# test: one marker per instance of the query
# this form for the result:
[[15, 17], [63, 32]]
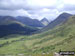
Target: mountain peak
[[45, 21], [66, 14]]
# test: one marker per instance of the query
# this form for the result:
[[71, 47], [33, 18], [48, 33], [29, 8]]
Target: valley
[[59, 34]]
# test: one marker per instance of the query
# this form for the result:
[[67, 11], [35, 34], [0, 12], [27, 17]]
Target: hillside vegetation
[[16, 28], [9, 25], [43, 44]]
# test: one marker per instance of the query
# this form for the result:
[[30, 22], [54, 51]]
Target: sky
[[36, 9]]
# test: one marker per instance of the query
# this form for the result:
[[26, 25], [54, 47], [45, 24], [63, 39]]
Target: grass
[[43, 44]]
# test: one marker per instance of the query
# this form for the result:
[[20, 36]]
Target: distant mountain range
[[45, 21], [24, 25], [24, 20]]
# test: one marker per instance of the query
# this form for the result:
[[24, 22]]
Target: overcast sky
[[36, 9]]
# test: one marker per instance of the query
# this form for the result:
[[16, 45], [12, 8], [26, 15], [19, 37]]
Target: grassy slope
[[62, 37]]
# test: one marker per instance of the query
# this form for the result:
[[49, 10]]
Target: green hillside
[[16, 28], [9, 25], [43, 44]]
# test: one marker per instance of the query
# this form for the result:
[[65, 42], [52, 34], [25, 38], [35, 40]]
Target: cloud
[[69, 7], [26, 4], [36, 8], [13, 4], [66, 5], [20, 12]]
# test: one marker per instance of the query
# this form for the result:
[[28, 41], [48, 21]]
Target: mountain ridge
[[30, 22], [22, 19], [58, 21]]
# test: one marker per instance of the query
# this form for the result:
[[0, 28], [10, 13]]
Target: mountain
[[58, 21], [45, 21], [15, 28], [30, 22], [24, 20], [4, 20], [9, 25], [61, 37], [42, 44]]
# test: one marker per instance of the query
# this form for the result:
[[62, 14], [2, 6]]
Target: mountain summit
[[45, 21]]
